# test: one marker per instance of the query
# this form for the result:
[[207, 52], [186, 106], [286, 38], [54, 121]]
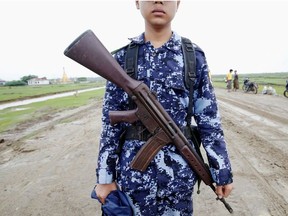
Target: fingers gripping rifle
[[88, 51]]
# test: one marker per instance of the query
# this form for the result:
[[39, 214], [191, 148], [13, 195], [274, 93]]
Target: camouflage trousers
[[165, 188]]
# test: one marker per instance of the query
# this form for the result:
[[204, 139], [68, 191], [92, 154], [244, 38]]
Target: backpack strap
[[131, 59], [190, 73], [190, 77], [131, 64], [189, 62]]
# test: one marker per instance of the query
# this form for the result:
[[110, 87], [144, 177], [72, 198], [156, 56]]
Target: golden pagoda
[[65, 78]]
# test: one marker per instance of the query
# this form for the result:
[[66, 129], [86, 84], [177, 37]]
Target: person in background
[[229, 77], [166, 186], [235, 81]]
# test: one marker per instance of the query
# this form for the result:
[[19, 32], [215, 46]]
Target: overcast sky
[[248, 35]]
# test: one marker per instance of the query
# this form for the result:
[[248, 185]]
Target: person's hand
[[102, 190], [224, 190]]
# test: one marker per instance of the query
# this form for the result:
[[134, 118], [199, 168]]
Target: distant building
[[2, 82], [39, 81]]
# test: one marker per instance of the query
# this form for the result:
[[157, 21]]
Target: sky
[[250, 36]]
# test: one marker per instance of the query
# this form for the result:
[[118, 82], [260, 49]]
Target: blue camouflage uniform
[[166, 187]]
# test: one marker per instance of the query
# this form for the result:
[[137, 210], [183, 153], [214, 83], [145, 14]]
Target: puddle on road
[[20, 109]]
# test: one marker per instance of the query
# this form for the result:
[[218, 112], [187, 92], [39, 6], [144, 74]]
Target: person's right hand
[[102, 190], [224, 191]]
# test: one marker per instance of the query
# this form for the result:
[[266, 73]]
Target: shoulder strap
[[131, 59], [130, 65], [190, 77], [190, 73], [189, 61]]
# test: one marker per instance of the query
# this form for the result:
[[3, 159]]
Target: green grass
[[276, 80], [11, 117], [24, 92]]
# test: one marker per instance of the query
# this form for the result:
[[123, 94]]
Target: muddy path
[[256, 132], [48, 167]]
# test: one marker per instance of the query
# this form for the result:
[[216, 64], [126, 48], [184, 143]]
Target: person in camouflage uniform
[[166, 187]]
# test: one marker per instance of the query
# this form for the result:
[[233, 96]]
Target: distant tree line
[[22, 82]]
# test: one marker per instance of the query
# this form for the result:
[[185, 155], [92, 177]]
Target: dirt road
[[47, 168]]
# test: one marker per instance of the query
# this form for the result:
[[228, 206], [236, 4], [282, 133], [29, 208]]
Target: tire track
[[281, 120], [257, 139], [49, 166], [272, 198]]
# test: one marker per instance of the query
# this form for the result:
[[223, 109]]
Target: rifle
[[88, 51]]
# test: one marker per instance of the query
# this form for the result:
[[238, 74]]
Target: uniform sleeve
[[208, 119], [114, 99]]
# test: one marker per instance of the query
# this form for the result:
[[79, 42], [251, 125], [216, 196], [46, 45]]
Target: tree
[[15, 83], [82, 79], [26, 78]]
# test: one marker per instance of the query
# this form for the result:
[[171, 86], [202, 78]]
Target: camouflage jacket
[[162, 69]]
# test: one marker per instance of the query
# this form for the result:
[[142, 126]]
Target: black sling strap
[[190, 77], [190, 73], [131, 59]]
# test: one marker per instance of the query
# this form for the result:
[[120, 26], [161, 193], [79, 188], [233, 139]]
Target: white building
[[2, 82], [39, 81]]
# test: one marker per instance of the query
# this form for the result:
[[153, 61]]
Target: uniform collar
[[173, 44]]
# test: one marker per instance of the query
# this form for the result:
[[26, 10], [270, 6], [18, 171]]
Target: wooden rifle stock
[[88, 51]]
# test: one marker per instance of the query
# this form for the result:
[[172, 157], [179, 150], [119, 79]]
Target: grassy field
[[11, 117], [276, 80], [25, 92]]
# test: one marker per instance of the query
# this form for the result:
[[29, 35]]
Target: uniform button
[[154, 54]]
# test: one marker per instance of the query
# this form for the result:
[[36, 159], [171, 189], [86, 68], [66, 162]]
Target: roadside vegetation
[[11, 117], [34, 112], [11, 93]]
